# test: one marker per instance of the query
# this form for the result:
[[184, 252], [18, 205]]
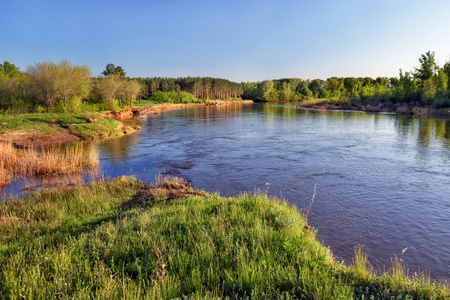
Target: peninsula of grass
[[41, 125], [127, 239]]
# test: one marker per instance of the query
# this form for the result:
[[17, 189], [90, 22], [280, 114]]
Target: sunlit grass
[[128, 239], [50, 123]]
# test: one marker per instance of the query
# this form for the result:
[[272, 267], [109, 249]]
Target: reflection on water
[[382, 180]]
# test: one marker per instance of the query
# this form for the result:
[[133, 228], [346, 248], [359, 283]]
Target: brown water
[[383, 181]]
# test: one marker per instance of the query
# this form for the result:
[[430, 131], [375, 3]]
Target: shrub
[[174, 97], [442, 102]]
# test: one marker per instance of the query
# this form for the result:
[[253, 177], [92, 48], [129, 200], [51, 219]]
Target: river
[[382, 180]]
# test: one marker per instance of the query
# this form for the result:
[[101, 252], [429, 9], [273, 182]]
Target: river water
[[382, 181]]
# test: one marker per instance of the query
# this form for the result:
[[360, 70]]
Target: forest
[[63, 87]]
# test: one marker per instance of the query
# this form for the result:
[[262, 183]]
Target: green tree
[[73, 81], [44, 79], [407, 89], [111, 69], [368, 81], [317, 86], [10, 79], [446, 69], [352, 85], [9, 69], [108, 89], [428, 66], [335, 86], [383, 81], [428, 90], [265, 88], [442, 83], [131, 89]]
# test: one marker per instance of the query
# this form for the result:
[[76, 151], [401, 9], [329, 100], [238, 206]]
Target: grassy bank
[[127, 239], [50, 129]]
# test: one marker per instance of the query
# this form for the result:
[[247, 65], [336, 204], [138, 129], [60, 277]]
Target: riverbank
[[159, 108], [401, 108], [45, 130], [128, 239]]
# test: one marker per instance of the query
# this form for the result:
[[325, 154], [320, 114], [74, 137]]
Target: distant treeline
[[200, 87], [48, 86], [424, 86]]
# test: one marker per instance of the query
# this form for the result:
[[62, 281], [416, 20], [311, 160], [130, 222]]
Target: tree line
[[62, 87], [429, 84], [200, 87]]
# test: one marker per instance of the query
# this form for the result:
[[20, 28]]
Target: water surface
[[382, 180]]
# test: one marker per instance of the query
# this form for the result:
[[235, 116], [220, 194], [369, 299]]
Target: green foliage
[[111, 69], [442, 102], [9, 69], [428, 90], [428, 66], [108, 90], [200, 87], [421, 87], [77, 123], [174, 97], [27, 92]]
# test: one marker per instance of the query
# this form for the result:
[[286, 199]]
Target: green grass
[[144, 103], [126, 239], [50, 123]]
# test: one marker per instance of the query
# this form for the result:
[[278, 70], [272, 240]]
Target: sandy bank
[[157, 109]]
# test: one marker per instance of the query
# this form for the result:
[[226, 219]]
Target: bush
[[160, 97], [174, 97], [442, 103]]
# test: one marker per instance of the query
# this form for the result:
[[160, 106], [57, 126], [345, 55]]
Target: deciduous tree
[[108, 89], [131, 89], [44, 79], [73, 81]]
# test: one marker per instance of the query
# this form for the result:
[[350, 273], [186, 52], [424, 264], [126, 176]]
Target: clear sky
[[236, 40]]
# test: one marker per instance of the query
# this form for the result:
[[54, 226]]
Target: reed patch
[[45, 162]]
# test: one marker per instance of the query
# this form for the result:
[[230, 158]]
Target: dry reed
[[5, 175], [44, 162], [55, 162], [8, 156], [8, 162]]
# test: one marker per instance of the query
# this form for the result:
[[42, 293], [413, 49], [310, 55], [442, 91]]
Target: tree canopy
[[111, 69]]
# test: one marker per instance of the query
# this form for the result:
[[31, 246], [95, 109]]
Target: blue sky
[[237, 40]]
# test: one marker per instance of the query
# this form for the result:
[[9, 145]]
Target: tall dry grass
[[44, 162], [54, 162], [8, 162]]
